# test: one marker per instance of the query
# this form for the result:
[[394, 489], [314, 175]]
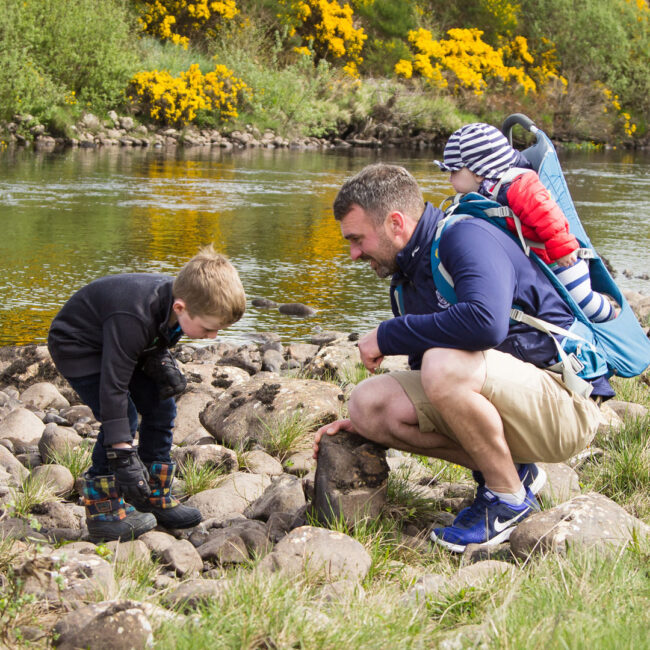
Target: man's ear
[[396, 223]]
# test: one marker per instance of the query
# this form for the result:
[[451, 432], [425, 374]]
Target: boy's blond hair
[[209, 285]]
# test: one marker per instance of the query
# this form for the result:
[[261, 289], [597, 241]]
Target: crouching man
[[477, 394]]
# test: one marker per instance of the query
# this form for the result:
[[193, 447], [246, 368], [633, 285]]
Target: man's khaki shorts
[[542, 419]]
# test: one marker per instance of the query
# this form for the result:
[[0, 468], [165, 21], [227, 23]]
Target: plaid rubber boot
[[167, 509], [107, 516]]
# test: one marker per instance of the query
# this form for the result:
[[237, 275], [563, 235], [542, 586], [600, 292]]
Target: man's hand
[[371, 355], [331, 429], [131, 476], [568, 260]]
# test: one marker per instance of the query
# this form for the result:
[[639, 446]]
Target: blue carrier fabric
[[616, 347]]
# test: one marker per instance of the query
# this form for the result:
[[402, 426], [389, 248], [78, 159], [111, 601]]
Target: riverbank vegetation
[[327, 68]]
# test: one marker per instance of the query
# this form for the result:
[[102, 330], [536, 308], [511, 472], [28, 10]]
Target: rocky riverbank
[[242, 442], [124, 131]]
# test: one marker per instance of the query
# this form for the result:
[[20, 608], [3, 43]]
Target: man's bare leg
[[452, 381], [381, 411]]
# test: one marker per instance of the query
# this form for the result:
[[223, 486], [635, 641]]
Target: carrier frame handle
[[517, 119]]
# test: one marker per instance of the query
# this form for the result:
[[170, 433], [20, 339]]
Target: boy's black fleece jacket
[[104, 328]]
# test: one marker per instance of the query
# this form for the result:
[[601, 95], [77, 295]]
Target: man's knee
[[363, 406], [447, 371]]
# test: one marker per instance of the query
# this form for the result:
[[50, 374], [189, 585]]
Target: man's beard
[[383, 270], [385, 262]]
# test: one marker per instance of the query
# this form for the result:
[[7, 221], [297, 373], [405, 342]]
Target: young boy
[[111, 342], [478, 155]]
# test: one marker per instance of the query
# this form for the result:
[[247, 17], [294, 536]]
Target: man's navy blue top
[[490, 274]]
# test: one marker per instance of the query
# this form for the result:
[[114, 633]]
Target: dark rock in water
[[296, 309], [263, 303]]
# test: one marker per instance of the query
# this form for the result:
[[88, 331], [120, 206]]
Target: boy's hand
[[568, 260], [161, 366], [131, 475]]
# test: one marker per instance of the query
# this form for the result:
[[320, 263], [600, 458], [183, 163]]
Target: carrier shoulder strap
[[569, 365]]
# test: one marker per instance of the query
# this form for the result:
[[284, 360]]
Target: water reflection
[[71, 217]]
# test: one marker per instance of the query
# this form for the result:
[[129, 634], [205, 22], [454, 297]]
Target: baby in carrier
[[480, 159]]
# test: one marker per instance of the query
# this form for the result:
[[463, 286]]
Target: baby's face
[[463, 180]]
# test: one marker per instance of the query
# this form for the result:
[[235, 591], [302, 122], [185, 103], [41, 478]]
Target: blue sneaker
[[488, 521], [533, 478]]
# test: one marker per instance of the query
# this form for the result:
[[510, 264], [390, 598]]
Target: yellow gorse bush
[[625, 119], [327, 29], [469, 62], [176, 100], [179, 20]]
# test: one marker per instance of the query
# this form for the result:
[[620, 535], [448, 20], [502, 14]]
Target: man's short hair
[[210, 286], [380, 189]]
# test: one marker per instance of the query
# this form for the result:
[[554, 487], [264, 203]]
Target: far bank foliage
[[314, 67]]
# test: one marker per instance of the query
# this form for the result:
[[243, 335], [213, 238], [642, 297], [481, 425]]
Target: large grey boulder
[[157, 541], [227, 376], [627, 410], [67, 576], [189, 405], [182, 558], [224, 546], [243, 413], [318, 551], [563, 483], [236, 542], [58, 477], [301, 352], [194, 593], [334, 360], [589, 520], [259, 462], [233, 496], [42, 395], [56, 440], [216, 456], [22, 427], [109, 625], [351, 478], [12, 466], [285, 494], [472, 576]]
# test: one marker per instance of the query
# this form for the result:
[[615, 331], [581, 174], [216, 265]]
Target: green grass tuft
[[197, 478]]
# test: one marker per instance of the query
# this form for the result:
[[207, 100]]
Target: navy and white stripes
[[480, 147], [576, 280]]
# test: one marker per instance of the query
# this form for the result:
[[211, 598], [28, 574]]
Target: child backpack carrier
[[587, 349]]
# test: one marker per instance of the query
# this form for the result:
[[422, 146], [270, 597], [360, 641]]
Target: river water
[[72, 216]]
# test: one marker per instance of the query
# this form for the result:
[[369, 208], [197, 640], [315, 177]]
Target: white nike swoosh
[[501, 526]]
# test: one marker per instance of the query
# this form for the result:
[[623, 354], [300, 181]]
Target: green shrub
[[290, 94], [54, 51], [605, 41]]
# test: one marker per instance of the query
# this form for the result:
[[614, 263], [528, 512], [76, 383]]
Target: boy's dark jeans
[[155, 439]]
